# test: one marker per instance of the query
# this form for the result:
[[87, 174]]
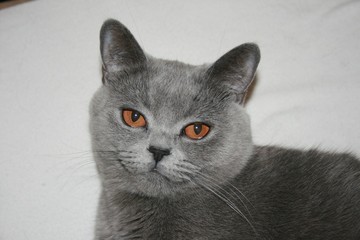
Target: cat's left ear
[[236, 69], [120, 51]]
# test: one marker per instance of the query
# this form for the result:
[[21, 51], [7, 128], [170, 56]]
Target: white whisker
[[221, 193], [231, 185]]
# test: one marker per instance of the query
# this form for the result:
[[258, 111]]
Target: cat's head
[[161, 127]]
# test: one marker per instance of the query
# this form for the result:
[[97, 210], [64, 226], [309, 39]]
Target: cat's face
[[161, 127]]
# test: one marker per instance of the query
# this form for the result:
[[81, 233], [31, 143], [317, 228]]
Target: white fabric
[[306, 93]]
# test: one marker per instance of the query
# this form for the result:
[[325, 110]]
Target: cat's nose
[[158, 153]]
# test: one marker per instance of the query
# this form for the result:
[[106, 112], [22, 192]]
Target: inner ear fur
[[119, 49], [236, 69]]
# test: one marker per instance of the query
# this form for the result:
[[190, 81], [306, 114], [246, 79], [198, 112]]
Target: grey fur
[[219, 187]]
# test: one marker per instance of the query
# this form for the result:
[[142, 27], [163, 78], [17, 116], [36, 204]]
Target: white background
[[306, 93]]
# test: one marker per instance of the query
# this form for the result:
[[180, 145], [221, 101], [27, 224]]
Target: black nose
[[158, 153]]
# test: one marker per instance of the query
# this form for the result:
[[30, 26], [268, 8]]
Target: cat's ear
[[236, 69], [119, 49]]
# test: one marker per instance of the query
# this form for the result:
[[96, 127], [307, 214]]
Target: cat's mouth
[[156, 172], [168, 177]]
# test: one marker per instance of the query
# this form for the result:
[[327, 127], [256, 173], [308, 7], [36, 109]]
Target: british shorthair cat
[[174, 152]]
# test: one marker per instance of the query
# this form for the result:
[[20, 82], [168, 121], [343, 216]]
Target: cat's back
[[313, 164], [304, 194]]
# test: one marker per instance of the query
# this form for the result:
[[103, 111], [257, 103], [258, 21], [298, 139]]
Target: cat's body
[[182, 165], [289, 195]]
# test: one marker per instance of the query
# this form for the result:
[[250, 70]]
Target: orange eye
[[133, 118], [196, 131]]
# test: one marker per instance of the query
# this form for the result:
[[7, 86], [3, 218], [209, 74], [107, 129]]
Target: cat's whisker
[[224, 192], [238, 197], [71, 166], [105, 151], [242, 194], [125, 151], [184, 175], [69, 161], [225, 199], [198, 191], [186, 170], [220, 189], [122, 156], [73, 170], [232, 190], [188, 166], [179, 175], [188, 173], [87, 179], [68, 154], [191, 163], [236, 209], [111, 158], [217, 187]]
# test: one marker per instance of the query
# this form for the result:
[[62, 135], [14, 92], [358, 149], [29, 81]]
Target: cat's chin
[[156, 184]]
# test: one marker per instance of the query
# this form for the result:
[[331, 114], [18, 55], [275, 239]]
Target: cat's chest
[[162, 220]]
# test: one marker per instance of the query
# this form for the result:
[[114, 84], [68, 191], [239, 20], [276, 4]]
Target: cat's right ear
[[120, 52], [236, 69]]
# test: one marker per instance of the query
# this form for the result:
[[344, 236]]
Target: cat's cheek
[[139, 148], [131, 138], [200, 151]]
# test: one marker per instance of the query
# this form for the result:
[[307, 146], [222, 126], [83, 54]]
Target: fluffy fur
[[219, 187]]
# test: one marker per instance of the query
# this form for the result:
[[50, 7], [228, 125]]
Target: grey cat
[[174, 152]]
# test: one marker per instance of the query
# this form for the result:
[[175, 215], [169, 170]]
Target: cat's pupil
[[135, 116], [197, 128]]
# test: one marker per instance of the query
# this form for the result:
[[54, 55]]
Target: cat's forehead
[[171, 91], [177, 90], [171, 81]]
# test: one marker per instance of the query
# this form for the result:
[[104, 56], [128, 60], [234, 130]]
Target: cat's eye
[[133, 118], [196, 131]]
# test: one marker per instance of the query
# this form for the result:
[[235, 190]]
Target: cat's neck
[[128, 198], [171, 214], [129, 210]]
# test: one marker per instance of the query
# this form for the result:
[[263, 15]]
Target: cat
[[173, 148]]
